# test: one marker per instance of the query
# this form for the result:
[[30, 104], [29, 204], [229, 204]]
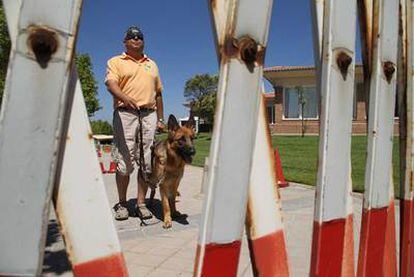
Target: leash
[[142, 166], [149, 222]]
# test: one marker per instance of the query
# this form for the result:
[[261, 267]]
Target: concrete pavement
[[153, 251]]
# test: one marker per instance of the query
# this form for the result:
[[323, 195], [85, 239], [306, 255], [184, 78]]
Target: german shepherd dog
[[169, 158]]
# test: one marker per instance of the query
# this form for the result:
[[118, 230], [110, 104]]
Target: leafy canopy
[[101, 127], [201, 92], [88, 83]]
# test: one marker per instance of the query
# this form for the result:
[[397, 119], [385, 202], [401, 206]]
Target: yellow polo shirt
[[138, 79]]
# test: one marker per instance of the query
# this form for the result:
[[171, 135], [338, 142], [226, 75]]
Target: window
[[297, 97], [270, 109], [358, 96]]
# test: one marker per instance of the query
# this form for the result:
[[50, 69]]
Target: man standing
[[134, 82]]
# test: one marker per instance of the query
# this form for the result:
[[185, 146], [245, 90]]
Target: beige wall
[[306, 77]]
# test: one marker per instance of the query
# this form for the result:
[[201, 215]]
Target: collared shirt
[[138, 79]]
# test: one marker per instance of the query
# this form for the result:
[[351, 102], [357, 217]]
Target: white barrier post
[[81, 200], [264, 227], [332, 245], [406, 87], [81, 203], [377, 251], [241, 44], [42, 49]]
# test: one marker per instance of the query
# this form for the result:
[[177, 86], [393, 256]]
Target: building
[[183, 120], [103, 139], [284, 106]]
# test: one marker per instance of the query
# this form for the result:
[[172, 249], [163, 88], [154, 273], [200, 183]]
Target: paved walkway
[[153, 251]]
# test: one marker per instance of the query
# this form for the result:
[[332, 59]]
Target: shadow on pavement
[[156, 209], [53, 234], [55, 260]]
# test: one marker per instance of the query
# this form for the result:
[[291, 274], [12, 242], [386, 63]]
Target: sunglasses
[[135, 38]]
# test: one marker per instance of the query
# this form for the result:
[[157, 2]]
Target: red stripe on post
[[407, 238], [333, 248], [268, 255], [113, 265], [219, 259], [377, 251]]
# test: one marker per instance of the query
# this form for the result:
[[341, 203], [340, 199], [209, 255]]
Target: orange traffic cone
[[112, 167], [281, 182], [102, 167], [107, 148]]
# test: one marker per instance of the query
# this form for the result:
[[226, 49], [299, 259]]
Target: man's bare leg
[[122, 182], [142, 190], [144, 213], [121, 211]]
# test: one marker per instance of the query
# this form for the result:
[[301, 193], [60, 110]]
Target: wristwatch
[[161, 120]]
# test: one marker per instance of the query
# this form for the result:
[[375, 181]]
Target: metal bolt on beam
[[43, 42], [343, 60], [246, 49], [389, 69]]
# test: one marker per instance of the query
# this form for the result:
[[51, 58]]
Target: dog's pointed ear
[[173, 123], [191, 123]]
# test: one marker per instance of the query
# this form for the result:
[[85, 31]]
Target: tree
[[205, 107], [83, 65], [201, 91], [88, 83], [101, 127], [301, 103]]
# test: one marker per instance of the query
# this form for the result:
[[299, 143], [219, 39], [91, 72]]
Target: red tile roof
[[280, 68]]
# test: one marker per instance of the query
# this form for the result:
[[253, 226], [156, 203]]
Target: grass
[[202, 146], [299, 158]]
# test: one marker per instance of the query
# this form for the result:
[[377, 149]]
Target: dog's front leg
[[174, 212], [173, 195], [166, 208]]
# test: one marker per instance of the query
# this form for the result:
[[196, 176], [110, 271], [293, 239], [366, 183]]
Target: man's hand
[[161, 126], [129, 102], [116, 91]]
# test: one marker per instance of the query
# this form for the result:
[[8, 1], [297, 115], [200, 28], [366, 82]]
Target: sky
[[179, 37]]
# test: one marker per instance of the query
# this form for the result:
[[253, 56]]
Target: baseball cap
[[134, 32]]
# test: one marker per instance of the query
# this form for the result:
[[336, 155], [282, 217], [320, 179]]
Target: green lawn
[[202, 146], [299, 158]]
